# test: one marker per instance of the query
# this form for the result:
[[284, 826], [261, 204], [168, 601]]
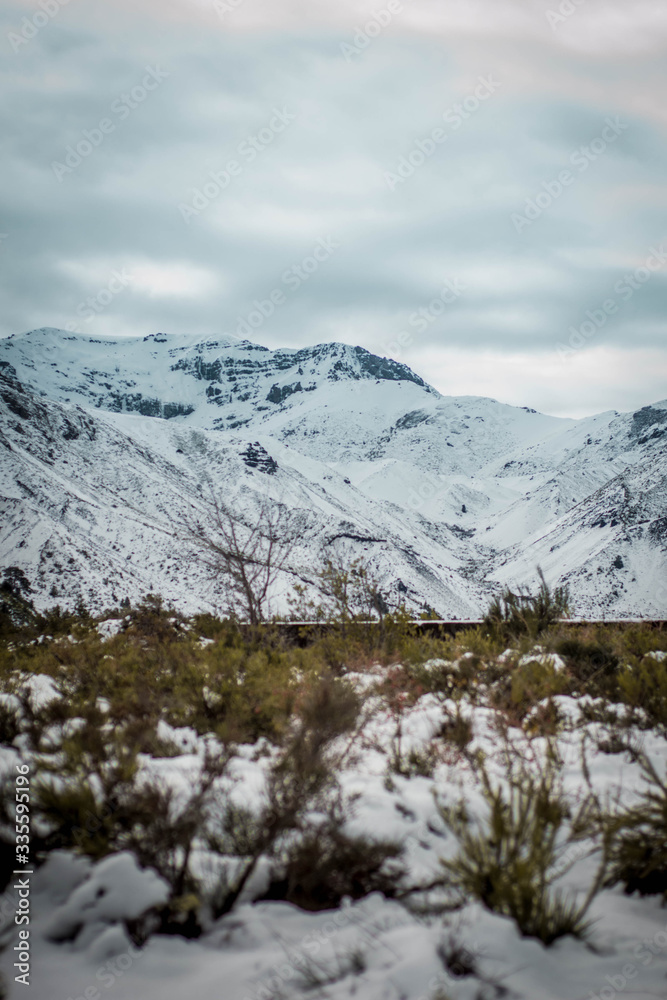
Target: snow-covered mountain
[[111, 446]]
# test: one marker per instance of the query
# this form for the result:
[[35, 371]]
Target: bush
[[357, 621], [17, 611], [150, 620], [534, 681], [299, 780], [637, 640], [73, 818], [97, 807], [523, 687], [327, 864], [456, 729], [157, 669], [638, 856], [512, 615], [9, 724], [511, 860], [92, 795], [592, 664], [644, 686]]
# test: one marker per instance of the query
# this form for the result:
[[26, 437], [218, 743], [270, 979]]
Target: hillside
[[111, 446]]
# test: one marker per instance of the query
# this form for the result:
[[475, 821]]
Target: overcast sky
[[518, 251]]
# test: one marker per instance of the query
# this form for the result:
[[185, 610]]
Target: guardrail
[[304, 631]]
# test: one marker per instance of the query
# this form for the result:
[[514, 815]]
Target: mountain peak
[[175, 375], [441, 494]]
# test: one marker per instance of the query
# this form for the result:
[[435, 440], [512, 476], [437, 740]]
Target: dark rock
[[411, 419], [257, 457], [647, 417], [279, 393], [16, 405], [71, 433], [148, 407]]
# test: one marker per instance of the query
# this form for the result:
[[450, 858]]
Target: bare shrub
[[244, 554]]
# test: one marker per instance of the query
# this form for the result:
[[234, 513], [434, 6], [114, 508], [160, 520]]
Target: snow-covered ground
[[374, 948]]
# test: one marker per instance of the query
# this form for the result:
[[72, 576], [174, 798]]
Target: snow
[[374, 948], [41, 691], [110, 627], [552, 660], [448, 498], [115, 889]]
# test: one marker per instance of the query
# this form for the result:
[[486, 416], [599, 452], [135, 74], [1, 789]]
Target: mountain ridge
[[446, 497]]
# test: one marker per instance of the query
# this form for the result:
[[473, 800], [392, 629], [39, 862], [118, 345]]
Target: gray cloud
[[324, 174]]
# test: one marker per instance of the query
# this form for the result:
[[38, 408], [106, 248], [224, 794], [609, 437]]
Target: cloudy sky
[[476, 188]]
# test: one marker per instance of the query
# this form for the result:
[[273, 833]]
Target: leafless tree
[[245, 553]]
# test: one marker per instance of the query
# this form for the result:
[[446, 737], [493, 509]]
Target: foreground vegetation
[[88, 701]]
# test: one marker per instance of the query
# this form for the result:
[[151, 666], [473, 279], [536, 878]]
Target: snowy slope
[[268, 950], [110, 446]]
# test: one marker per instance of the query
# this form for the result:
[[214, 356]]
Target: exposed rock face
[[136, 403], [278, 393], [256, 457]]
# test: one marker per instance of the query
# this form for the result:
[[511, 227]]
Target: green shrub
[[251, 683], [73, 818], [533, 681], [593, 666], [96, 807], [510, 861], [637, 640], [511, 615], [481, 640], [159, 670], [644, 686], [358, 622], [521, 688], [9, 724], [327, 864], [456, 729], [302, 776], [638, 856]]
